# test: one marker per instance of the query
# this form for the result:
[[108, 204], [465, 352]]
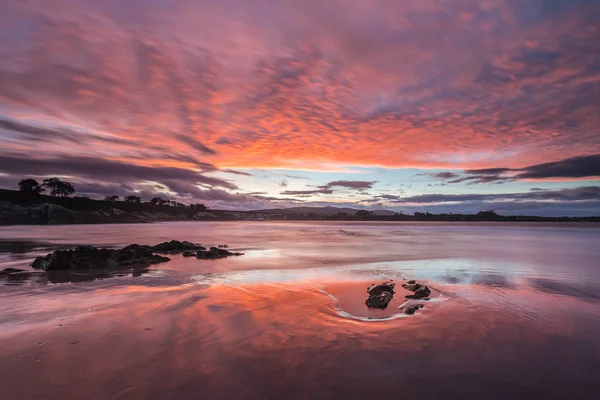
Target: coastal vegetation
[[52, 202]]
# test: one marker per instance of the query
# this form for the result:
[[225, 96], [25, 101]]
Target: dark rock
[[134, 254], [40, 262], [412, 282], [223, 246], [88, 257], [410, 309], [376, 289], [10, 271], [412, 287], [420, 293], [189, 253], [58, 260], [380, 300], [175, 246], [214, 253]]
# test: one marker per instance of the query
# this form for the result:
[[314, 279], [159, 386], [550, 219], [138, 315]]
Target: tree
[[158, 200], [362, 213], [30, 186], [198, 207], [58, 187], [133, 199], [111, 198]]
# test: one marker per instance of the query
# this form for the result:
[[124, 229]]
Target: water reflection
[[277, 340], [44, 277], [520, 315]]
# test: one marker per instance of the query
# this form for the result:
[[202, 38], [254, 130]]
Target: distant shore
[[18, 209]]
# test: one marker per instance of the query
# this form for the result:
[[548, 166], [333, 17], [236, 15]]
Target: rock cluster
[[420, 291], [380, 295], [175, 246], [88, 257], [215, 252]]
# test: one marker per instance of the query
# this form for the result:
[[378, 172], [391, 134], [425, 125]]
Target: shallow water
[[516, 314]]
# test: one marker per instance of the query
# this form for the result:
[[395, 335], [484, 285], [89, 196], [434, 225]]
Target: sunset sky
[[428, 105]]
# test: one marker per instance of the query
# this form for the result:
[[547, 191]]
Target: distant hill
[[323, 211]]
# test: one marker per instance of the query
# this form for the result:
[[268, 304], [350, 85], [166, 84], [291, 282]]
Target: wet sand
[[193, 329]]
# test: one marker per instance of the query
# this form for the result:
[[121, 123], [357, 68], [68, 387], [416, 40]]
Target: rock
[[189, 253], [40, 262], [380, 300], [214, 253], [411, 308], [420, 293], [412, 282], [88, 257], [135, 254], [412, 287], [175, 246], [223, 246], [10, 271], [58, 260], [376, 289]]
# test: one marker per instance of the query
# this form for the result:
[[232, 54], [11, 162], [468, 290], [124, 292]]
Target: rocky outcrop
[[175, 247], [376, 289], [134, 255], [380, 295], [88, 257], [215, 253], [380, 300], [420, 291]]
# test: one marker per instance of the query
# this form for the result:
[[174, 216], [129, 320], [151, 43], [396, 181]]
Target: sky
[[430, 105]]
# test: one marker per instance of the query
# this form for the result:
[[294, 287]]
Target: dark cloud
[[445, 175], [235, 172], [354, 185], [306, 192], [574, 167], [586, 193], [106, 170], [329, 188]]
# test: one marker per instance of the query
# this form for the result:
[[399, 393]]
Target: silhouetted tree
[[362, 213], [58, 187], [111, 198], [198, 207], [30, 186], [133, 199], [158, 200], [487, 214]]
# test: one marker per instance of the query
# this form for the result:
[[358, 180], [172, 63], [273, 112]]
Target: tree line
[[56, 187], [59, 188]]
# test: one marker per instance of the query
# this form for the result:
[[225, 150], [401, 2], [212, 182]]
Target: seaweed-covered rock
[[214, 253], [189, 253], [376, 289], [380, 300]]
